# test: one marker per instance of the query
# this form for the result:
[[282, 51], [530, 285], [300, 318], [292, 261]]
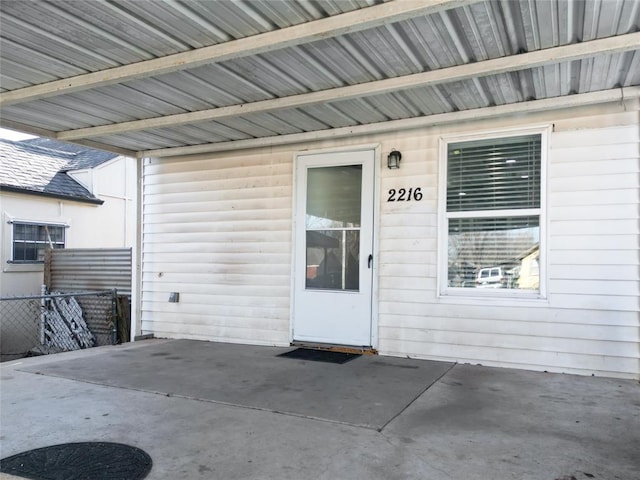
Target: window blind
[[496, 174]]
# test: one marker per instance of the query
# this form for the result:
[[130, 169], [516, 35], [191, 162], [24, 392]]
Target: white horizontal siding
[[616, 197], [602, 272], [601, 226], [618, 325], [539, 325], [534, 359], [551, 344], [594, 257], [589, 322], [625, 132], [595, 242], [218, 231], [230, 334]]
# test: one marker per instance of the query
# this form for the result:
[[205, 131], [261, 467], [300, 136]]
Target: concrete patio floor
[[206, 410]]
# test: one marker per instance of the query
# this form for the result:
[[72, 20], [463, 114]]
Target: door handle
[[370, 261]]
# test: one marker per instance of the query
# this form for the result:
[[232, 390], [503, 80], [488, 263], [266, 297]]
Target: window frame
[[444, 291], [13, 223]]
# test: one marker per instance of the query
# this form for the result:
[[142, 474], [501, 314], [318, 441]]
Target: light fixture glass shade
[[393, 160]]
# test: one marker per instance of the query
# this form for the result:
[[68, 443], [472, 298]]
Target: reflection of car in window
[[492, 277]]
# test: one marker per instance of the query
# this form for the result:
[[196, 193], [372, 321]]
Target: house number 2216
[[404, 195]]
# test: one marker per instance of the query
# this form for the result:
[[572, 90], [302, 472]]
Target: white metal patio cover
[[173, 77]]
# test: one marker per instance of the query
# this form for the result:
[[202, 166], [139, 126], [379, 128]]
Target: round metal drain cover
[[75, 461]]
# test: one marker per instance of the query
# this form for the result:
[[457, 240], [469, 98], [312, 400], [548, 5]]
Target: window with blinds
[[493, 198]]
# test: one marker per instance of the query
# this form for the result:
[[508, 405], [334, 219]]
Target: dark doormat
[[313, 355], [75, 461]]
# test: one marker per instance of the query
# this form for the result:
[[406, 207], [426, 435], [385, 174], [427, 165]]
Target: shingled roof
[[39, 166]]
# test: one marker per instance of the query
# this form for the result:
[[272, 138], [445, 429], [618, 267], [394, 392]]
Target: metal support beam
[[578, 100], [350, 22], [42, 132], [496, 66]]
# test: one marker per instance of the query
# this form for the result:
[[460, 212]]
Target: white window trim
[[501, 296]]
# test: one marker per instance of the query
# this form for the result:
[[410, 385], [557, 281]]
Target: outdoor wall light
[[393, 160], [174, 297]]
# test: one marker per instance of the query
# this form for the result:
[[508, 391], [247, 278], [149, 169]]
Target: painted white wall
[[111, 224], [217, 229]]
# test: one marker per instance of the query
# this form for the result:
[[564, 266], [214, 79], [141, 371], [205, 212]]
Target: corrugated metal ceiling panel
[[46, 40]]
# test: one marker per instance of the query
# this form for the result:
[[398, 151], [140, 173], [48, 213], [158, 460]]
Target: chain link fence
[[57, 322]]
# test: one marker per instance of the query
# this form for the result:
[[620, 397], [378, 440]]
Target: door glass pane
[[333, 259], [333, 227], [333, 197]]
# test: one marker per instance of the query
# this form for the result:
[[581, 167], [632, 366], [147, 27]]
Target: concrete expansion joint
[[267, 410], [208, 400], [416, 397]]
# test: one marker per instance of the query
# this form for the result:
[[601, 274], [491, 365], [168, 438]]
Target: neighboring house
[[56, 195], [528, 272]]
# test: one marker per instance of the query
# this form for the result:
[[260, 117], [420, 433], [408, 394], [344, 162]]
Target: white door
[[333, 251]]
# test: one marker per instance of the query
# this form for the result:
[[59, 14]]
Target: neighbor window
[[492, 212], [30, 240]]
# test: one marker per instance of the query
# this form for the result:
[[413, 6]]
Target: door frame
[[376, 148]]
